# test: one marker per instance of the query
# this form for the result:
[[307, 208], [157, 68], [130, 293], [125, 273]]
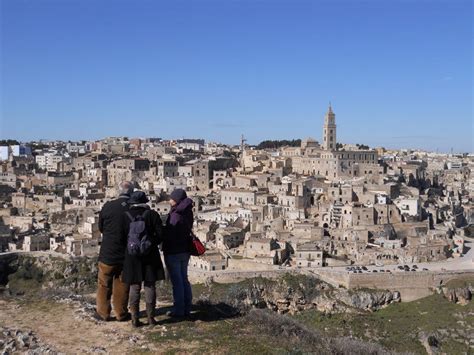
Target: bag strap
[[145, 214], [130, 216]]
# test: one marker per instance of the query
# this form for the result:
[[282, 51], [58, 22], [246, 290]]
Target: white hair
[[126, 188]]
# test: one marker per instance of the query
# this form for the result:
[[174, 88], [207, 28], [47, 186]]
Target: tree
[[362, 146], [9, 142], [274, 144]]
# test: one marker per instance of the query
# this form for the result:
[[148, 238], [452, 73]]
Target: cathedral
[[326, 160]]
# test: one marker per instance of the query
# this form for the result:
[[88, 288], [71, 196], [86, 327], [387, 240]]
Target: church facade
[[327, 161]]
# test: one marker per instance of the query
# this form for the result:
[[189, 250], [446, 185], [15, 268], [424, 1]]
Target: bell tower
[[329, 130]]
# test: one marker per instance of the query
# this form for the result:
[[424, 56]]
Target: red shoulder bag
[[197, 248]]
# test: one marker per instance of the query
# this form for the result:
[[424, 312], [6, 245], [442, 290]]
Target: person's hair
[[126, 188]]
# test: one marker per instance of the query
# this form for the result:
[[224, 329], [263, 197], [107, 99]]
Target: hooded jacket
[[179, 224]]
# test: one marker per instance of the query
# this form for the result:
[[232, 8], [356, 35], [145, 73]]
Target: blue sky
[[398, 72]]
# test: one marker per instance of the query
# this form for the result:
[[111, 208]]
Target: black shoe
[[136, 321], [174, 315], [99, 318], [126, 318]]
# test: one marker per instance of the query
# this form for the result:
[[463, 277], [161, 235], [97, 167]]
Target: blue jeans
[[177, 265]]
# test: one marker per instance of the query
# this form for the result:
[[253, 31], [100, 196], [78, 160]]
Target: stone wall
[[248, 265], [412, 286], [230, 277]]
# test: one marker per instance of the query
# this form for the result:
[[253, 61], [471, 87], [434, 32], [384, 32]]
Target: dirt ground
[[69, 328]]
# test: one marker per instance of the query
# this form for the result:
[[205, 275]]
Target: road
[[463, 263]]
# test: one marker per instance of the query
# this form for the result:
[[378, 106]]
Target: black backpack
[[138, 241]]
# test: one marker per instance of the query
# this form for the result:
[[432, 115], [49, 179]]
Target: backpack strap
[[130, 216], [145, 214]]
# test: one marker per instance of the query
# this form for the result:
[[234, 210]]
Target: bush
[[305, 339], [297, 333], [433, 341], [28, 271]]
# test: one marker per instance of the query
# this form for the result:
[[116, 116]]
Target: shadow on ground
[[202, 311]]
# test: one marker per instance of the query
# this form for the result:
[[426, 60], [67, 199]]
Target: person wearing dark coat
[[176, 249], [111, 258], [146, 269]]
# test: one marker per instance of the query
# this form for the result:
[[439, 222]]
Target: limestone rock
[[461, 295]]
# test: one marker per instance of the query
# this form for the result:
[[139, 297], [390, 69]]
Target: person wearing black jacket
[[177, 248], [111, 257], [148, 268]]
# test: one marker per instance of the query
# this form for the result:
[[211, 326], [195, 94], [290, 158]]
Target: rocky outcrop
[[293, 294], [27, 273], [369, 300], [461, 295]]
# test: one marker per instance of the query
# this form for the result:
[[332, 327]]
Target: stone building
[[167, 168], [49, 161], [210, 261], [308, 255], [8, 179], [237, 197], [36, 242], [229, 237], [329, 130], [200, 174]]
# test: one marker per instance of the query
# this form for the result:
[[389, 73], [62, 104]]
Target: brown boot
[[135, 317], [150, 313]]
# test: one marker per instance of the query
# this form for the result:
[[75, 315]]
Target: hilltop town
[[310, 206]]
